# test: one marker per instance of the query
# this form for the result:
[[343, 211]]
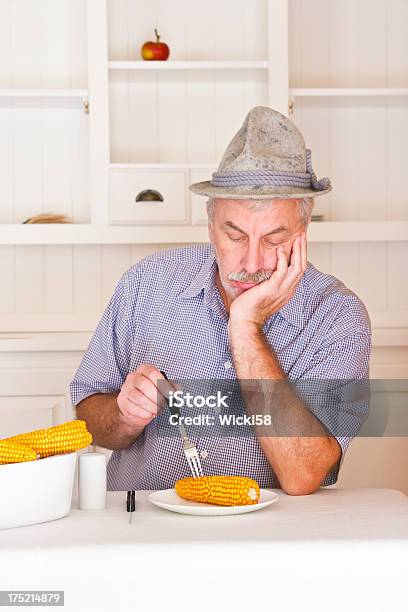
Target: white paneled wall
[[360, 144], [375, 271], [51, 288], [194, 30], [54, 288], [352, 43]]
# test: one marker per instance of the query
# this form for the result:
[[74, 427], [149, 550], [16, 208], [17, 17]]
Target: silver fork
[[190, 449], [191, 453]]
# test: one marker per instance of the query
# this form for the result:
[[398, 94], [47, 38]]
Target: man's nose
[[252, 260]]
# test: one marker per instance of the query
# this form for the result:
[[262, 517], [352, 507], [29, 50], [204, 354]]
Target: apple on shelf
[[155, 50]]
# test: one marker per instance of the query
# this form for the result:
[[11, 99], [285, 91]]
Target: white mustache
[[244, 277]]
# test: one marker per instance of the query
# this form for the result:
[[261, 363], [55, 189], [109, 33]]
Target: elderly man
[[248, 306]]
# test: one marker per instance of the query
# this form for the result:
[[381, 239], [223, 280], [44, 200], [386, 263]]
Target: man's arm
[[105, 421], [115, 420], [298, 448], [301, 460]]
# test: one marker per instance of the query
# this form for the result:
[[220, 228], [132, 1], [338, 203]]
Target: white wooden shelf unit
[[116, 177]]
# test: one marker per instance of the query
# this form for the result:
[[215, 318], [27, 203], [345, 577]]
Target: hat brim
[[255, 192]]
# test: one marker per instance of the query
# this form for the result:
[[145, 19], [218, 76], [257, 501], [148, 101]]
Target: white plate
[[170, 500]]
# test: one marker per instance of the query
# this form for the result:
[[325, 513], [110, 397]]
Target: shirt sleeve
[[336, 388], [105, 364]]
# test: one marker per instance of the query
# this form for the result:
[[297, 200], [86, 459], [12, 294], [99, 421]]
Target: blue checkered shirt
[[166, 311]]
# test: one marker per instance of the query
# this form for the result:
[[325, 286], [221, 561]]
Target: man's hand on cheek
[[257, 304]]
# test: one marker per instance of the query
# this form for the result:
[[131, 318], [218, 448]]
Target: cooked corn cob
[[12, 452], [219, 490], [65, 438]]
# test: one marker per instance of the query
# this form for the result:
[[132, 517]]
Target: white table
[[333, 550]]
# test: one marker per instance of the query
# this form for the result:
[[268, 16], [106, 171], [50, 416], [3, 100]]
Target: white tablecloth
[[333, 550]]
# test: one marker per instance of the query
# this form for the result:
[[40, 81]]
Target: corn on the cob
[[65, 438], [12, 452], [219, 490]]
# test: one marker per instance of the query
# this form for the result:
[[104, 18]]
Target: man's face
[[245, 241]]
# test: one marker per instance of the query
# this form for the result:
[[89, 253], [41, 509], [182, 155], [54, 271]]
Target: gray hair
[[305, 208]]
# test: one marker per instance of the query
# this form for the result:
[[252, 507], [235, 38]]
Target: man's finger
[[139, 399], [295, 267], [136, 412], [148, 388], [281, 266], [145, 378], [146, 369]]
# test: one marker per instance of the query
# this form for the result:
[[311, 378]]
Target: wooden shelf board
[[348, 91], [187, 65], [57, 234], [43, 93]]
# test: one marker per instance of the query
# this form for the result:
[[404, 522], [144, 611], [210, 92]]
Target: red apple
[[155, 50]]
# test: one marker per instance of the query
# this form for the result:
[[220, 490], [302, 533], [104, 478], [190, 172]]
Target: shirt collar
[[292, 311], [204, 279]]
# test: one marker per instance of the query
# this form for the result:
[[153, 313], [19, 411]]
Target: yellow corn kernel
[[12, 452], [65, 438], [219, 490]]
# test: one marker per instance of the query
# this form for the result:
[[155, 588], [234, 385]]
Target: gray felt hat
[[267, 158]]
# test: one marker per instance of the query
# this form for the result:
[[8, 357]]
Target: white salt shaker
[[92, 481]]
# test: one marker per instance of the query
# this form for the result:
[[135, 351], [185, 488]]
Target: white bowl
[[36, 491]]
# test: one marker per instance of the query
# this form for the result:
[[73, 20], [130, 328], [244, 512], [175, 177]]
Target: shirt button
[[204, 454], [227, 365]]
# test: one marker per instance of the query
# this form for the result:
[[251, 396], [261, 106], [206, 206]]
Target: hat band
[[261, 177]]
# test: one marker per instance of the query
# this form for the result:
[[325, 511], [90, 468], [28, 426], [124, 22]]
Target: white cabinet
[[35, 372], [27, 412], [132, 192]]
